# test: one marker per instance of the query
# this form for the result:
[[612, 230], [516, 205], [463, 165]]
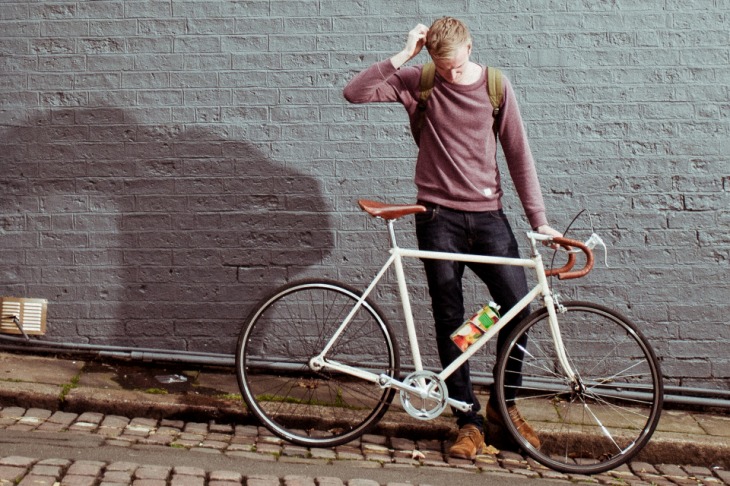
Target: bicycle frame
[[397, 254]]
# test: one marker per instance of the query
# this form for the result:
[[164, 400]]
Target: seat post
[[391, 233]]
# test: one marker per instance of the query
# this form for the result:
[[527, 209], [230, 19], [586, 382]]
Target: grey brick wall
[[165, 162]]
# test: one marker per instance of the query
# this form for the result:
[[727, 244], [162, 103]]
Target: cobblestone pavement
[[257, 443]]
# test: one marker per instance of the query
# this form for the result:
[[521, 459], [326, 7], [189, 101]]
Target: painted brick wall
[[165, 162]]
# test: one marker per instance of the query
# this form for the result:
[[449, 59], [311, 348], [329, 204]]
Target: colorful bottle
[[474, 327]]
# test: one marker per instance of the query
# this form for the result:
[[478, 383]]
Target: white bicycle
[[318, 363]]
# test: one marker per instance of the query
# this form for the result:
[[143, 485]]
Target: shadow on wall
[[151, 236]]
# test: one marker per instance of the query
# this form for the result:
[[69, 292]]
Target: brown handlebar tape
[[564, 273]]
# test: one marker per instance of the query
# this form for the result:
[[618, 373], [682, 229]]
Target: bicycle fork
[[551, 305]]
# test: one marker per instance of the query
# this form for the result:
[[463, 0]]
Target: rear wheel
[[601, 419], [310, 407]]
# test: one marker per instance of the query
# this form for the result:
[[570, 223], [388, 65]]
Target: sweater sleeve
[[521, 165], [375, 84]]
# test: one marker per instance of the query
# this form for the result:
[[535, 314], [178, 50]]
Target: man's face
[[452, 69]]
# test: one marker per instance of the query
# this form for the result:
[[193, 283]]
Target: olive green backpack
[[428, 72]]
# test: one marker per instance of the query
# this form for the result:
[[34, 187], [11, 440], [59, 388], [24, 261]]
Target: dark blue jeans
[[483, 233]]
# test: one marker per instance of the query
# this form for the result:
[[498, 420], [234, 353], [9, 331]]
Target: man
[[459, 183]]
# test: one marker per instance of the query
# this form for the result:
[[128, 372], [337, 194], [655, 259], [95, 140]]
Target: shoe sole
[[464, 456]]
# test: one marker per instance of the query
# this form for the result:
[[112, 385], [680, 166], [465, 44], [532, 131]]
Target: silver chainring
[[431, 403]]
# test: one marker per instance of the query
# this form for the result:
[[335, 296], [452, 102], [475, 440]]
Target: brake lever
[[591, 243], [595, 240]]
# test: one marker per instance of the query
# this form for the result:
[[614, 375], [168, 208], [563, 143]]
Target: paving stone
[[298, 481], [18, 461], [362, 482], [115, 421], [582, 478], [191, 437], [329, 481], [86, 468], [221, 428], [152, 472], [143, 423], [171, 431], [12, 412], [697, 471], [214, 444], [294, 451], [47, 470], [188, 471], [349, 455], [176, 424], [640, 468], [63, 463], [196, 428], [402, 444], [184, 480], [185, 443], [318, 453], [219, 437], [157, 440], [124, 466], [51, 427], [149, 482], [374, 439], [65, 418], [73, 480], [671, 470], [91, 417], [33, 480], [246, 430], [262, 481], [268, 448], [117, 476], [38, 413], [80, 426], [226, 476], [12, 474]]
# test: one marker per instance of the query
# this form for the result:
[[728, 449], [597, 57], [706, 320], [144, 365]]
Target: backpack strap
[[496, 94], [425, 87], [428, 72], [494, 89]]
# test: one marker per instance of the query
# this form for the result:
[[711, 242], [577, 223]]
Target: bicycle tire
[[590, 428], [306, 407]]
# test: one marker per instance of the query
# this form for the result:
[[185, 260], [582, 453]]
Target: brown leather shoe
[[469, 443], [525, 429]]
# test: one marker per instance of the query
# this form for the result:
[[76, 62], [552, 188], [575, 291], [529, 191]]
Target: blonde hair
[[445, 36]]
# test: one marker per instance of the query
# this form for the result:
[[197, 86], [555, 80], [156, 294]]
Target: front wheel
[[309, 407], [601, 418]]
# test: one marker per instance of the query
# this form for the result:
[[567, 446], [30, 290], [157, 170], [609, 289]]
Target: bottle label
[[474, 327]]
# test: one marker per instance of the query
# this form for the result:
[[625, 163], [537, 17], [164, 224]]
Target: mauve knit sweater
[[456, 164]]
